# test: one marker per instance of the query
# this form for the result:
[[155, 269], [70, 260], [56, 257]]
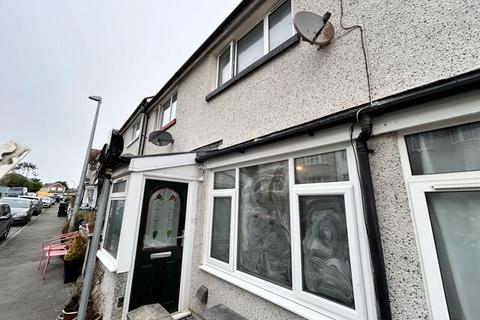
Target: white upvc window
[[114, 218], [167, 112], [135, 131], [271, 31], [443, 182], [286, 229], [225, 64]]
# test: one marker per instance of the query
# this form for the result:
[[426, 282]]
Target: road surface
[[23, 293]]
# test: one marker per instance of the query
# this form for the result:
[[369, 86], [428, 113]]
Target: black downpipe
[[371, 218], [143, 130]]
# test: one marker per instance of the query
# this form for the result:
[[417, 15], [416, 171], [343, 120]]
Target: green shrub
[[77, 248]]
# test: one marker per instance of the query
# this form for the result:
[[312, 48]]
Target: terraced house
[[340, 182]]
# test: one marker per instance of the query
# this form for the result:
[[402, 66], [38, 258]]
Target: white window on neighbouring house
[[270, 32], [289, 227], [444, 188], [167, 112], [135, 131]]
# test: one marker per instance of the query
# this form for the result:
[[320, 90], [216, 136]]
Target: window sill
[[168, 125], [304, 310], [107, 260], [295, 39], [132, 142]]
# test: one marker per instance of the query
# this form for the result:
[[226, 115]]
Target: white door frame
[[187, 255]]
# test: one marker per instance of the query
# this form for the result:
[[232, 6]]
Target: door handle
[[160, 255]]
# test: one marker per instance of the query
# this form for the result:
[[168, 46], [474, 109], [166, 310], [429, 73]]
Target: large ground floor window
[[289, 226], [443, 177]]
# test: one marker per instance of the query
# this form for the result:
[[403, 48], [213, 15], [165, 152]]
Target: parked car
[[16, 191], [31, 194], [37, 204], [47, 202], [21, 209], [6, 221]]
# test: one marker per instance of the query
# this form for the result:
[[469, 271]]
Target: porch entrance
[[158, 261]]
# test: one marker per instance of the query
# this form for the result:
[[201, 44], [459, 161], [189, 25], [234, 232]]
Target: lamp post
[[81, 184]]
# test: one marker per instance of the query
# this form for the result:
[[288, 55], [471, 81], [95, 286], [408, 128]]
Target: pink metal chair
[[55, 247]]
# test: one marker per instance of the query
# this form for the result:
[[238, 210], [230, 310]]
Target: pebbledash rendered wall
[[409, 43]]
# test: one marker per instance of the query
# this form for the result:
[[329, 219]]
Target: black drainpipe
[[371, 218], [143, 130]]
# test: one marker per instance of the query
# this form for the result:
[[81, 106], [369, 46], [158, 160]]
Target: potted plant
[[89, 219], [70, 309], [73, 260]]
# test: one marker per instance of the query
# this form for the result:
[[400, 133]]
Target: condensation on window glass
[[280, 25], [250, 47], [224, 179], [119, 186], [163, 219], [325, 256], [455, 218], [264, 248], [445, 150], [114, 226], [224, 67], [220, 246], [326, 167]]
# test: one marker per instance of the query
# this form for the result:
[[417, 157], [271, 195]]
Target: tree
[[14, 180], [34, 185], [23, 175], [26, 169]]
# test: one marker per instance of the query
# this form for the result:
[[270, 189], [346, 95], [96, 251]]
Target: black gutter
[[431, 91], [371, 217]]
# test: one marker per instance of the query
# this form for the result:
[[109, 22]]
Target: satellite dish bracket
[[313, 28]]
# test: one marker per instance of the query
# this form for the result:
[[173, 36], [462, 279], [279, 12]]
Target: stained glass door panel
[[163, 218]]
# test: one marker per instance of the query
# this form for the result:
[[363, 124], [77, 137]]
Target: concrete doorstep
[[149, 312]]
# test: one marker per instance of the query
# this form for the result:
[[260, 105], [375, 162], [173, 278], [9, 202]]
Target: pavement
[[23, 293]]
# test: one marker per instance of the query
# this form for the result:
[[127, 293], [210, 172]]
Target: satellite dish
[[160, 138], [313, 28]]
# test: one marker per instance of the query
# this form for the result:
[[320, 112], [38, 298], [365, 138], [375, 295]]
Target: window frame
[[135, 131], [159, 125], [417, 186], [113, 196], [233, 43], [294, 299]]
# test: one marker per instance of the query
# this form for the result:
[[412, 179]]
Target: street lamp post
[[81, 184]]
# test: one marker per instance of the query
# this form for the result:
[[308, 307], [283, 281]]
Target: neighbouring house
[[90, 194], [301, 182], [57, 189]]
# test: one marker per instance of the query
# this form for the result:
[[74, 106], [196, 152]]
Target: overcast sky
[[55, 53]]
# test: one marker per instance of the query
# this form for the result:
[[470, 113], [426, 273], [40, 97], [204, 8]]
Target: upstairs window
[[250, 47], [225, 65], [167, 112], [275, 28], [135, 133]]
